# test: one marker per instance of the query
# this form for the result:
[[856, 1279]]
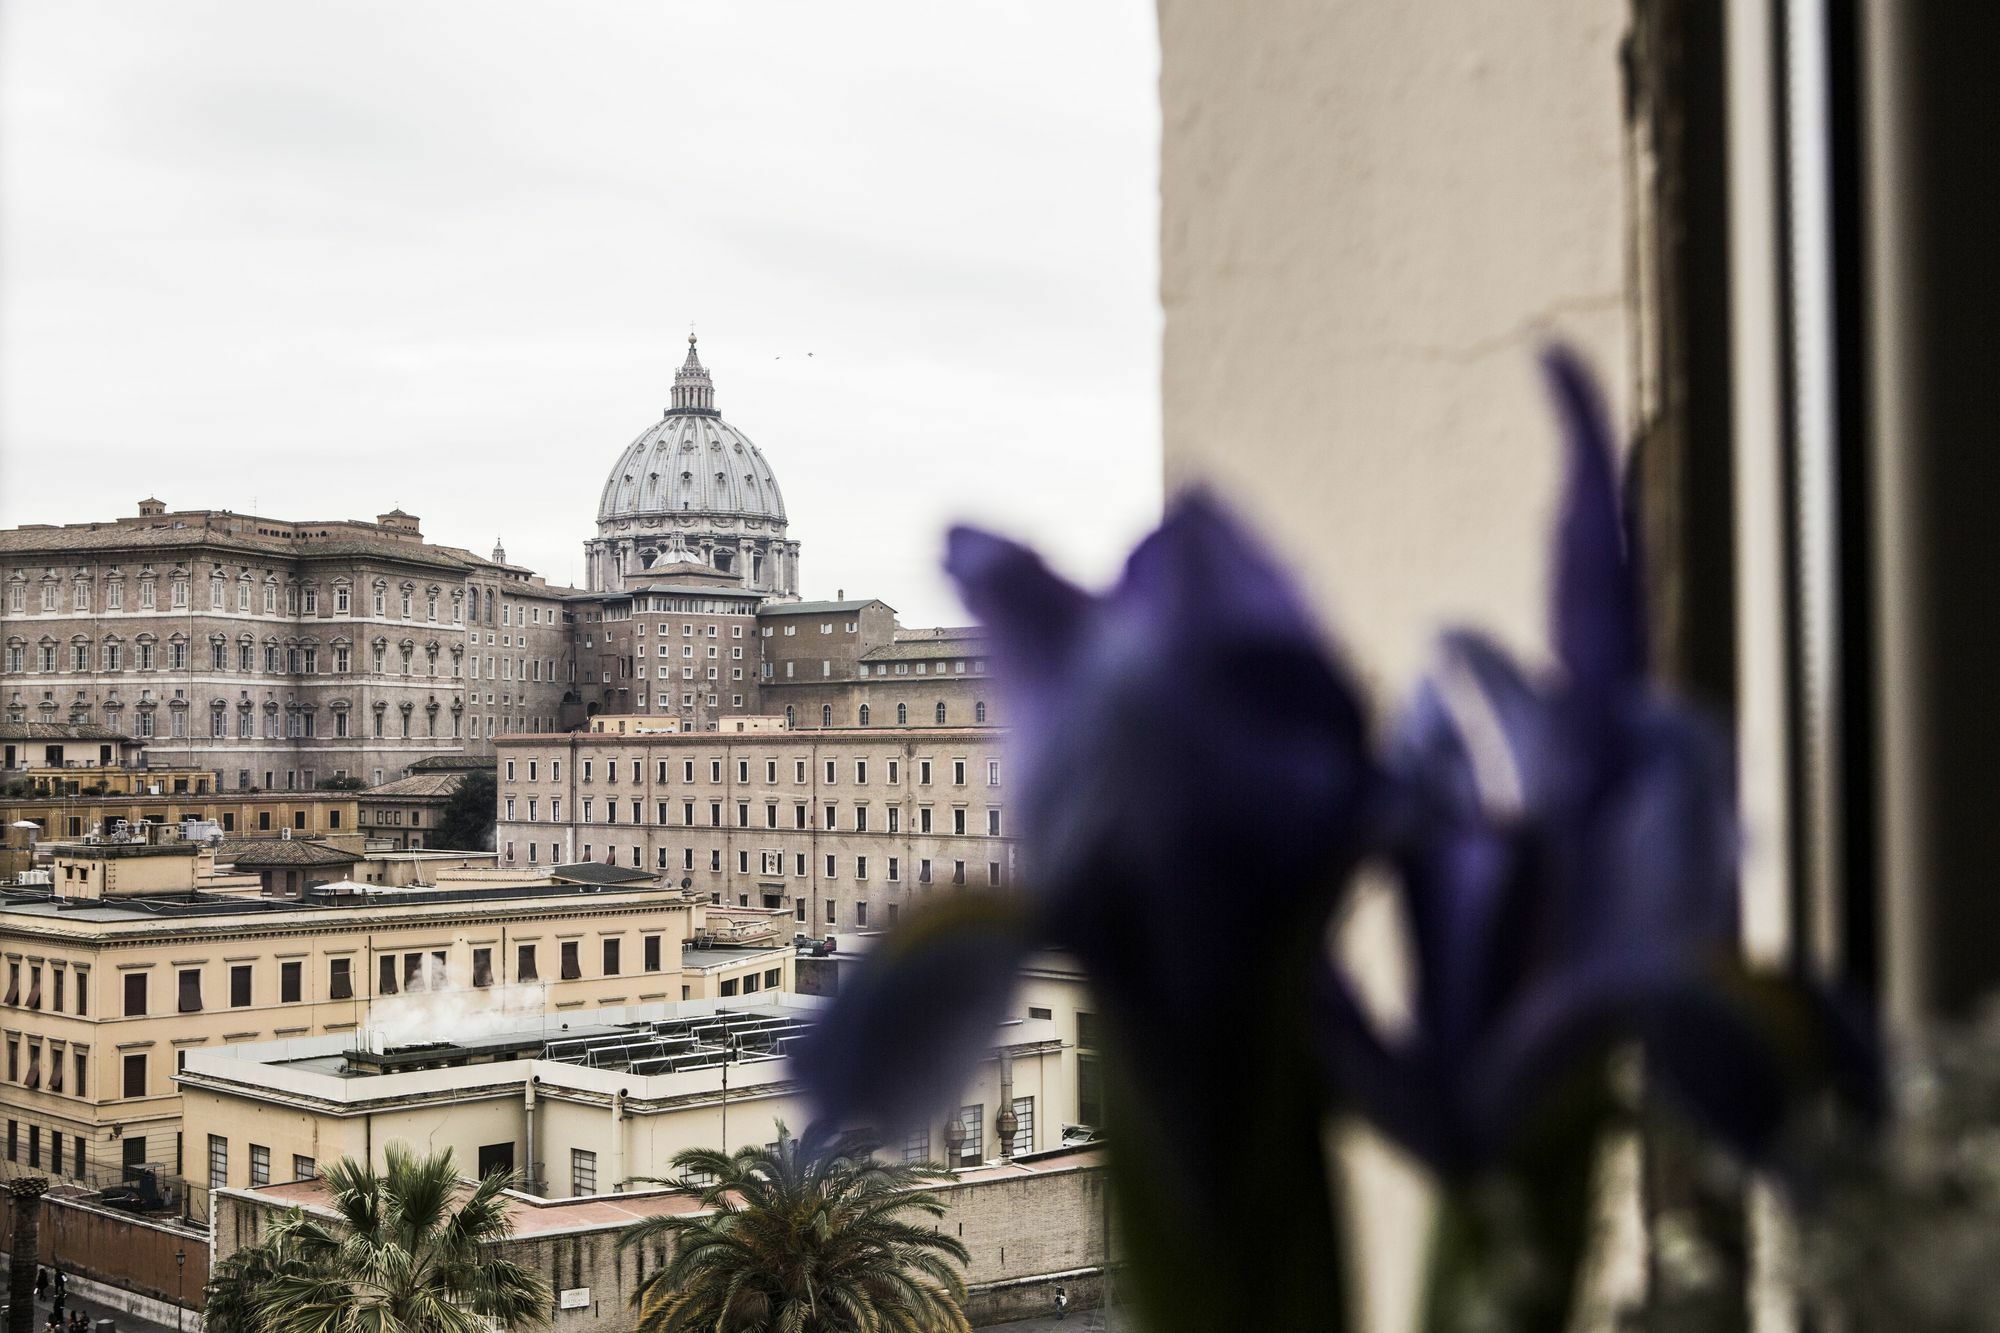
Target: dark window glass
[[135, 994]]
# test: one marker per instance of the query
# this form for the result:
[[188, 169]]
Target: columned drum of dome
[[692, 499]]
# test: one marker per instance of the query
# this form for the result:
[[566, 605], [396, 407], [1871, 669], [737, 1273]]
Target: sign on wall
[[576, 1298]]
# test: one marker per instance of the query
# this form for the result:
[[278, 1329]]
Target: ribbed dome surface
[[692, 462]]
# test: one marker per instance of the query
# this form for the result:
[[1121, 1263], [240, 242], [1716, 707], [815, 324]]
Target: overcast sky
[[317, 261]]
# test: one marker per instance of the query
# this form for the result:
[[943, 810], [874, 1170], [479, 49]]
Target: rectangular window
[[958, 772], [1024, 1126], [239, 986], [895, 869], [582, 1172], [303, 1168], [652, 953], [524, 963], [218, 1162], [992, 823], [260, 1165], [291, 982], [482, 966], [958, 821], [971, 1119], [190, 996], [572, 967], [611, 948], [728, 987], [860, 916], [832, 912], [135, 994], [895, 771], [861, 872], [917, 1147], [340, 979], [385, 980], [135, 1075]]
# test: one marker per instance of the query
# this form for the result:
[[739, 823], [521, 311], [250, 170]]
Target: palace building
[[277, 653]]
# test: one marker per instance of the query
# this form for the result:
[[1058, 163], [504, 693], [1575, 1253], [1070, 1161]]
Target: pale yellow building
[[136, 955]]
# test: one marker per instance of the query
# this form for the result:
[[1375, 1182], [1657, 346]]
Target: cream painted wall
[[1371, 216]]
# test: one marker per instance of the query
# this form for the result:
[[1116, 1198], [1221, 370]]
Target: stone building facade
[[276, 653], [844, 827]]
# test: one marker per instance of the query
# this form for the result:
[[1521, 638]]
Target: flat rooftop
[[41, 901]]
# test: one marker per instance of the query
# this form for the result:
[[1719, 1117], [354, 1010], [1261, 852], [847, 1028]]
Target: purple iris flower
[[1190, 774], [1568, 871]]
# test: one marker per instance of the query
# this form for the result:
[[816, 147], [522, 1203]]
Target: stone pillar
[[25, 1249]]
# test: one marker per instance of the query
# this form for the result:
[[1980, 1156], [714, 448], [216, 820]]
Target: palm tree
[[401, 1259], [803, 1240]]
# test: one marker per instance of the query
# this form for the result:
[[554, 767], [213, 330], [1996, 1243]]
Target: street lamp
[[180, 1287]]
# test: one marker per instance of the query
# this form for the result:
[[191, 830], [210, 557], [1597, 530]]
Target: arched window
[[791, 719], [902, 715], [826, 715], [864, 715], [979, 711], [940, 712]]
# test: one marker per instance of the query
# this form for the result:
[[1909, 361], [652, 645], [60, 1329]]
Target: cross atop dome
[[693, 391]]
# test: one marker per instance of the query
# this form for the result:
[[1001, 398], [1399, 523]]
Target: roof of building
[[281, 852], [691, 462], [60, 731], [151, 537], [416, 785], [453, 763], [702, 959], [689, 590], [924, 650], [940, 632], [819, 608], [598, 872]]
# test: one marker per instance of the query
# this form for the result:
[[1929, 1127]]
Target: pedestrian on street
[[62, 1287], [54, 1323], [41, 1283], [1062, 1304]]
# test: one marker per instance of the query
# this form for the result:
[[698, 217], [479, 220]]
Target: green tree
[[798, 1241], [470, 814], [413, 1251]]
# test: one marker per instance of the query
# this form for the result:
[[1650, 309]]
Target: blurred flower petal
[[1599, 622], [913, 1017]]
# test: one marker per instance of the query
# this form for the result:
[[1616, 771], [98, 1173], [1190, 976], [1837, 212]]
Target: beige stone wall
[[1371, 215]]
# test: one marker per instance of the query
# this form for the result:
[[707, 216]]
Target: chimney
[[840, 594]]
